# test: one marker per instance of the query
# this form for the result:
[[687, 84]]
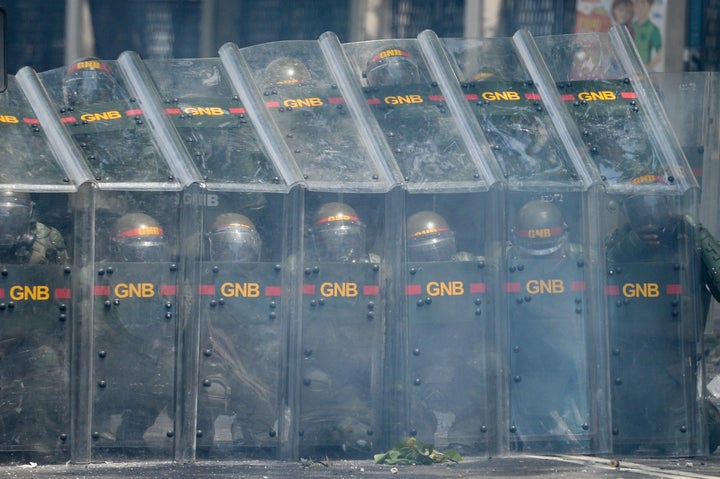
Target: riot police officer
[[547, 341], [446, 390], [234, 238], [339, 235], [429, 237], [137, 346], [541, 231], [235, 378], [138, 237], [23, 239], [652, 236], [651, 231], [392, 66], [31, 345], [339, 354], [89, 80], [286, 71]]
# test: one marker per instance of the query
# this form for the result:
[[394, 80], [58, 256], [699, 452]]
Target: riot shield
[[34, 346], [341, 350], [241, 353], [134, 337], [508, 107], [212, 121], [36, 301], [106, 123], [410, 109], [549, 385], [447, 317], [26, 157], [656, 319], [647, 225], [304, 102]]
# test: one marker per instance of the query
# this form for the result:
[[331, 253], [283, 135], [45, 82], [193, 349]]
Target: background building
[[197, 28]]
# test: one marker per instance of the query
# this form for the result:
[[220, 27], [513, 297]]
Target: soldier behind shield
[[652, 235], [32, 371], [131, 339], [23, 239], [337, 395], [233, 379], [88, 81], [447, 392], [549, 404]]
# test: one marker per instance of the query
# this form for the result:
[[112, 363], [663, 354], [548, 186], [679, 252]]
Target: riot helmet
[[429, 237], [234, 238], [286, 71], [540, 228], [338, 233], [392, 66], [16, 218], [650, 216], [89, 81], [137, 237]]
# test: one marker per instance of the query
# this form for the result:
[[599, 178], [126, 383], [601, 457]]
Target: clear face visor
[[234, 244], [392, 71], [140, 249], [15, 221], [340, 241], [438, 246], [85, 87]]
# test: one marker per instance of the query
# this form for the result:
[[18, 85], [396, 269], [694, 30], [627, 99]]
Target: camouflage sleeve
[[49, 240], [710, 255]]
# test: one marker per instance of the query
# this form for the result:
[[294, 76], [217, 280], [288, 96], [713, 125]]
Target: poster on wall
[[645, 19]]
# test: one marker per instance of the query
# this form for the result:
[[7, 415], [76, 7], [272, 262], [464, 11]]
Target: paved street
[[507, 467]]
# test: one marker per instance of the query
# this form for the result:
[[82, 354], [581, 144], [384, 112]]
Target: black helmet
[[234, 238], [429, 237], [391, 66], [650, 216], [16, 217], [286, 71], [338, 233], [540, 228], [137, 237], [89, 81]]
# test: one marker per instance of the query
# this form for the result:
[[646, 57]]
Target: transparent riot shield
[[35, 341], [550, 224], [106, 123], [244, 335], [412, 113], [514, 118], [212, 121], [548, 302], [134, 327], [242, 325], [655, 328], [342, 331], [450, 318], [305, 104], [654, 292], [36, 300], [438, 344]]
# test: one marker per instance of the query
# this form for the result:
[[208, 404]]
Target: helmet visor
[[141, 249], [438, 246], [392, 71], [340, 241], [234, 244]]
